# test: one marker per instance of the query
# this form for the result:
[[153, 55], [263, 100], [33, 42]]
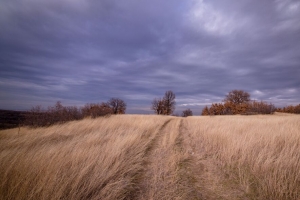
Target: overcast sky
[[87, 51]]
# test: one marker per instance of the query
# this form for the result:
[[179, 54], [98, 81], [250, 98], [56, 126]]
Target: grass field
[[154, 157]]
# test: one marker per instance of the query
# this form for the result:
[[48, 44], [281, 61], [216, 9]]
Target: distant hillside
[[11, 118]]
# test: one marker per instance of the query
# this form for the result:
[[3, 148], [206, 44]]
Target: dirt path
[[159, 180], [176, 168]]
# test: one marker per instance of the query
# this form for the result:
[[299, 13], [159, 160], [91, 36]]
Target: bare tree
[[166, 105], [237, 97], [118, 105], [187, 112], [169, 102], [158, 106]]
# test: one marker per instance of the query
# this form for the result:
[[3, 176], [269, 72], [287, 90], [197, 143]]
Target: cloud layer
[[84, 51]]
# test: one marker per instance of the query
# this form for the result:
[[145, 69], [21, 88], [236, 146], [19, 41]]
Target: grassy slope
[[154, 157]]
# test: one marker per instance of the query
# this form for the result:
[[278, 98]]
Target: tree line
[[235, 102], [58, 113], [290, 109]]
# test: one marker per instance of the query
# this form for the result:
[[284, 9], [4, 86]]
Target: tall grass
[[261, 152], [89, 159], [154, 157]]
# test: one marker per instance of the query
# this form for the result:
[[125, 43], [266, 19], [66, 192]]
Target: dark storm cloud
[[89, 51]]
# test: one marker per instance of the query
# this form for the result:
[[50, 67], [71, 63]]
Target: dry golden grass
[[90, 159], [154, 157], [261, 152]]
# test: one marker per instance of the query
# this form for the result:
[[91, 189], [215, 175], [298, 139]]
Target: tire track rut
[[159, 179], [177, 167]]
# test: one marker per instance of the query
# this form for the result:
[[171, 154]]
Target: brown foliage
[[238, 102], [216, 109], [290, 109], [205, 111], [221, 109], [240, 108], [250, 108], [260, 107]]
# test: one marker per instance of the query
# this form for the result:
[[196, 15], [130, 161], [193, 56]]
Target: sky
[[88, 51]]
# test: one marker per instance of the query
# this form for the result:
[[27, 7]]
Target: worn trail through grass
[[168, 171], [175, 168], [159, 178]]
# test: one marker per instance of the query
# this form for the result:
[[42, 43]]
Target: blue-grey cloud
[[84, 51]]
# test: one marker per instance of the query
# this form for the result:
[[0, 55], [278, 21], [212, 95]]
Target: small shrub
[[96, 110], [187, 112]]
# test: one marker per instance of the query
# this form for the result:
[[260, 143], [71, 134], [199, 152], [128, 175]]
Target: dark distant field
[[11, 119]]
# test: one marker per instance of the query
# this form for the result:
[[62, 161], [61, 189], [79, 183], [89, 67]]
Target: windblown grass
[[154, 157], [90, 159], [260, 152]]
